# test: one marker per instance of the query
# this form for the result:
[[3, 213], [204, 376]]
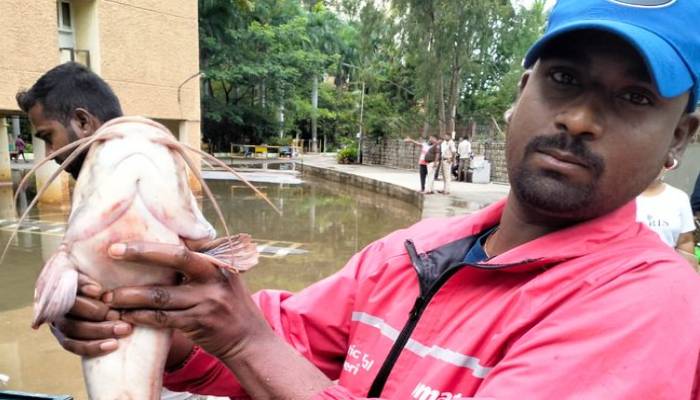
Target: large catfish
[[132, 186]]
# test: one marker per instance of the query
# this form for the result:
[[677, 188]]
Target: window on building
[[73, 19], [64, 15], [66, 32]]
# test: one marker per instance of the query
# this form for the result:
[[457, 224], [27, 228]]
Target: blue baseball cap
[[664, 32]]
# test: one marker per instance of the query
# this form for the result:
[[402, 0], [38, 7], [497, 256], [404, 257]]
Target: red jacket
[[600, 310]]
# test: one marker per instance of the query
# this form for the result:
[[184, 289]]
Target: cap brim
[[668, 69]]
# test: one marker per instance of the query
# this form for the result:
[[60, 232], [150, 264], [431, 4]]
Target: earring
[[673, 166]]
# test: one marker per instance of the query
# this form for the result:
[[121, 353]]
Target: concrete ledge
[[389, 189]]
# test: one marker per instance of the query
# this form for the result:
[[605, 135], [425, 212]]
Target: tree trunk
[[314, 116], [453, 96], [262, 93], [281, 121], [442, 117], [426, 124]]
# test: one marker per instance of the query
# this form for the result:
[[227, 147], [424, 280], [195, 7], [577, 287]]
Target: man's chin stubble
[[551, 194]]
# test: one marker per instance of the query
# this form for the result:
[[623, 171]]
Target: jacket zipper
[[414, 316]]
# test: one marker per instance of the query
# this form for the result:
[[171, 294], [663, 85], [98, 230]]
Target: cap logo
[[644, 3]]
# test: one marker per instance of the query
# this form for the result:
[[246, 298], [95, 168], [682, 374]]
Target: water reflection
[[326, 222]]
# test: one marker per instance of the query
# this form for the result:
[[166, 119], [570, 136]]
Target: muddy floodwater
[[323, 225]]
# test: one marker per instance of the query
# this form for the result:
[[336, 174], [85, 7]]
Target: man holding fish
[[555, 292]]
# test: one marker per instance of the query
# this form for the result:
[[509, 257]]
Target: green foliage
[[440, 62], [347, 155], [279, 141]]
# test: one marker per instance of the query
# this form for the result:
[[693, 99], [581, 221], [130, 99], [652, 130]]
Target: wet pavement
[[463, 198]]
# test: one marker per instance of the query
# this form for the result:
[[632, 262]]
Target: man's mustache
[[573, 145]]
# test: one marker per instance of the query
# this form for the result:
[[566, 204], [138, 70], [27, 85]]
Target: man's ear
[[686, 129], [84, 123], [524, 79]]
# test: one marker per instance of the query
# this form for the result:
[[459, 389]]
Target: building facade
[[147, 50]]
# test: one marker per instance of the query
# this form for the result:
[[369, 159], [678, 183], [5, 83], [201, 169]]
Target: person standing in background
[[422, 164], [432, 157], [464, 150], [19, 147], [666, 210], [448, 150]]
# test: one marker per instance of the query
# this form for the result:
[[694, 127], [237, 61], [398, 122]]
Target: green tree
[[460, 48], [273, 69]]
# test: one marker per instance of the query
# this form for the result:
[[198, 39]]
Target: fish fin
[[240, 252], [56, 289]]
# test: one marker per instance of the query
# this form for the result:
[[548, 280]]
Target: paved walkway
[[464, 197]]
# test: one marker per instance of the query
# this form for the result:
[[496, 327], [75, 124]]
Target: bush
[[280, 141], [347, 155]]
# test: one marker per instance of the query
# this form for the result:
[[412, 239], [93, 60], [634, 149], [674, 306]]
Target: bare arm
[[686, 248], [409, 140]]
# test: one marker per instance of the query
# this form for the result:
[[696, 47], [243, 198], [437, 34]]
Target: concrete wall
[[389, 189], [495, 153], [29, 37], [145, 49], [391, 153], [398, 154], [148, 48]]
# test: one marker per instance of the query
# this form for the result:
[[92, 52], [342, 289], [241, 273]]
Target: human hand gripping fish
[[214, 310], [132, 187]]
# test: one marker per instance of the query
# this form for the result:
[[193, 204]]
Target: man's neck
[[656, 187], [517, 227]]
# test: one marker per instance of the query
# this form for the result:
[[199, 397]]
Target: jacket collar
[[571, 242]]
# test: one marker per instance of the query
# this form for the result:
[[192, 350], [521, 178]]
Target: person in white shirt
[[448, 150], [666, 210], [465, 152]]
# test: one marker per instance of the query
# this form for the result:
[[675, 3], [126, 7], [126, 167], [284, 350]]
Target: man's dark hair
[[67, 87]]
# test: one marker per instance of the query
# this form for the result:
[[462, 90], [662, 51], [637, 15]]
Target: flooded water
[[323, 225]]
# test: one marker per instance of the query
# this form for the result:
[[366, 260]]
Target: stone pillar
[[15, 126], [190, 134], [5, 170], [7, 204], [58, 193]]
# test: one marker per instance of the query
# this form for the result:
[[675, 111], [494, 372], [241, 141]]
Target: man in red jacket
[[555, 292]]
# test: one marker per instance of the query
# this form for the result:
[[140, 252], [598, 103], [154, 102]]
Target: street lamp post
[[362, 107]]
